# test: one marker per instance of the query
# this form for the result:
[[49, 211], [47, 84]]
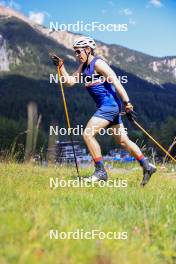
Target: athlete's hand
[[56, 60], [131, 115], [128, 107]]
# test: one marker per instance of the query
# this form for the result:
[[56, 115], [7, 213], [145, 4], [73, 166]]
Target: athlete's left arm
[[104, 69]]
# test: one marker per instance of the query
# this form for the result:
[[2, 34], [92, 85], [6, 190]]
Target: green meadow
[[29, 209]]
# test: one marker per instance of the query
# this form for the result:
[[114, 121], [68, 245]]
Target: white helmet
[[84, 42]]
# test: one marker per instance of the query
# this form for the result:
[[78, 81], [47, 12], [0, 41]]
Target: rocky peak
[[8, 12], [165, 65], [4, 62]]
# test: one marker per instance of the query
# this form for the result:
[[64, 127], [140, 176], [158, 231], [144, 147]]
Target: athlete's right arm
[[71, 79], [66, 78]]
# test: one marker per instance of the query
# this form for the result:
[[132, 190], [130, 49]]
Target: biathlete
[[93, 68]]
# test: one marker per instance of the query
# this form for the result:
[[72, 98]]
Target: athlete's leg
[[122, 139], [92, 128]]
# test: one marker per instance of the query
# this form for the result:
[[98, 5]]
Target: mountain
[[153, 69], [25, 68]]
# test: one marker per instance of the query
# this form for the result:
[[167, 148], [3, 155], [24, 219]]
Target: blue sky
[[151, 23]]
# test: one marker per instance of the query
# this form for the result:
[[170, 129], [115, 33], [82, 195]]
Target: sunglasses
[[78, 52]]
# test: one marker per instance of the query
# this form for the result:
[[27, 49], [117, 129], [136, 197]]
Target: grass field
[[29, 209]]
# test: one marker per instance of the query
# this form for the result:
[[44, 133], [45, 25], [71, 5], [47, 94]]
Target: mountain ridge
[[157, 70]]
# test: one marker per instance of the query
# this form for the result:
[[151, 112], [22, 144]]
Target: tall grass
[[30, 208]]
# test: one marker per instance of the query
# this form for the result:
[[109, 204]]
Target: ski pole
[[156, 142], [51, 54], [68, 119], [150, 137]]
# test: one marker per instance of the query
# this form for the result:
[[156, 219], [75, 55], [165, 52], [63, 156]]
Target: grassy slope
[[29, 209]]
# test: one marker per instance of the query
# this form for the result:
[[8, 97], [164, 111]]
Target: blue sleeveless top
[[103, 93]]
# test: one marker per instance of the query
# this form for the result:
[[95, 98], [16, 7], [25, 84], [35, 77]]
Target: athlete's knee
[[87, 135], [124, 142]]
